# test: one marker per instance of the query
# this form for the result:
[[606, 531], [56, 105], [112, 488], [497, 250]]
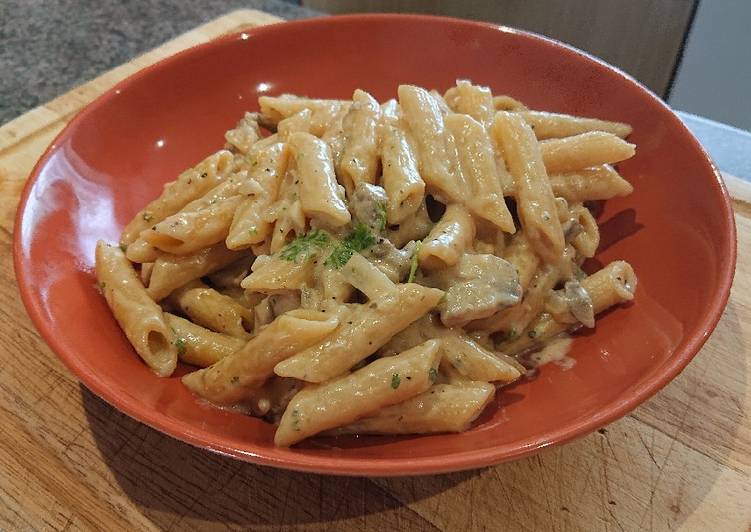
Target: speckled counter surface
[[47, 47]]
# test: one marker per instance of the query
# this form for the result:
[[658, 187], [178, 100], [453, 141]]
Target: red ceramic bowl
[[676, 229]]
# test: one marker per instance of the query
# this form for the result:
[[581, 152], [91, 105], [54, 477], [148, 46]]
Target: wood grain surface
[[69, 461]]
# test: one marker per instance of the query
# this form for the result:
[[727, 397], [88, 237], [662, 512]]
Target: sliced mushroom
[[572, 304], [392, 261], [477, 287], [369, 206]]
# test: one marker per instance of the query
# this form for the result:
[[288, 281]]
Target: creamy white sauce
[[556, 351]]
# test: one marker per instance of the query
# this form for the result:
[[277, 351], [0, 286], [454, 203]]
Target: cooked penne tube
[[173, 271], [296, 123], [367, 278], [613, 284], [141, 251], [145, 273], [475, 362], [361, 333], [449, 238], [404, 187], [414, 227], [276, 108], [554, 125], [321, 196], [520, 254], [249, 222], [238, 375], [208, 308], [587, 240], [507, 103], [140, 318], [467, 356], [535, 201], [443, 408], [190, 185], [472, 100], [381, 383], [590, 184], [478, 166], [186, 232], [275, 274], [594, 148], [199, 346], [359, 157], [245, 134], [435, 147]]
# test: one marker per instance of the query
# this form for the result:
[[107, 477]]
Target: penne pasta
[[535, 201], [189, 186], [382, 383], [140, 318], [478, 166], [590, 184], [359, 156], [320, 194], [449, 238], [173, 271], [443, 408], [199, 346], [237, 376], [208, 308], [583, 151], [435, 147], [249, 222], [371, 268], [402, 182], [554, 125], [361, 333]]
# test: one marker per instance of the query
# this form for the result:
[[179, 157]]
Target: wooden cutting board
[[70, 461]]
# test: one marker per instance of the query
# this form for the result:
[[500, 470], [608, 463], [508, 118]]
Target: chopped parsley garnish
[[381, 215], [296, 419], [395, 381], [433, 374], [181, 346], [511, 334], [305, 246], [532, 333], [358, 240], [147, 217], [414, 262]]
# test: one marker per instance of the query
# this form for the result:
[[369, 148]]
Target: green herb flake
[[181, 346], [395, 381], [147, 217], [253, 231], [296, 420], [381, 215], [414, 262], [305, 246], [512, 334], [123, 247], [433, 374], [532, 333], [358, 240]]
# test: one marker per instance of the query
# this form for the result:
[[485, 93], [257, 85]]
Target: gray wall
[[714, 79]]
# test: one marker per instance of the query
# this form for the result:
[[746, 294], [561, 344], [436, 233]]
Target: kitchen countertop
[[50, 46]]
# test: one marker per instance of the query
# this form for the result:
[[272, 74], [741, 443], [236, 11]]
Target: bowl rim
[[339, 465]]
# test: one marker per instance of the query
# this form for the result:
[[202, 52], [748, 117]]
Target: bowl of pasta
[[376, 245]]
